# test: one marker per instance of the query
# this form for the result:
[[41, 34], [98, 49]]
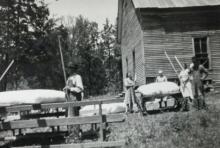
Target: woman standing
[[185, 88]]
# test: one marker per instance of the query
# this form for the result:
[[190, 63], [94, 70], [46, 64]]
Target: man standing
[[161, 78], [74, 92], [129, 92], [199, 73]]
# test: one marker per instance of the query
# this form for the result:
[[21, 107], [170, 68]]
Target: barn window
[[201, 50]]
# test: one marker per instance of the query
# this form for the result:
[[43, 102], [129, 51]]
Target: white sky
[[94, 10]]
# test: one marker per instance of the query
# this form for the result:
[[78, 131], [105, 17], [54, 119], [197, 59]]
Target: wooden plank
[[57, 105], [9, 138], [82, 145], [101, 125], [36, 123], [42, 115]]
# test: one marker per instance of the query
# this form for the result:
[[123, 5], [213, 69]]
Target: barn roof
[[174, 3]]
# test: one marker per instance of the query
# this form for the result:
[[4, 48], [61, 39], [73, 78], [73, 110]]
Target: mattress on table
[[158, 89], [33, 96]]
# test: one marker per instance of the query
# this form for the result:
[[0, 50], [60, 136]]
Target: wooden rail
[[18, 108], [82, 145], [36, 123]]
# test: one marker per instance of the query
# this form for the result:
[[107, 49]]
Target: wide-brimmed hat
[[72, 65]]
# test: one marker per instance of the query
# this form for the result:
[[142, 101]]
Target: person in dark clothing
[[199, 73]]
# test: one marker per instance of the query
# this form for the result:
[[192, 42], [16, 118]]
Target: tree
[[84, 48], [25, 28], [111, 56], [31, 38]]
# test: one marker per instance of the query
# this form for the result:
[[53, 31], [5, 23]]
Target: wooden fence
[[65, 121]]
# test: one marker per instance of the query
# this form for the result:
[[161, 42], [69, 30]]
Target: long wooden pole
[[62, 61], [70, 110], [171, 63], [181, 66], [9, 66]]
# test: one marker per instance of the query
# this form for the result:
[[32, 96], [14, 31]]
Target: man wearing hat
[[161, 78], [74, 91], [74, 83]]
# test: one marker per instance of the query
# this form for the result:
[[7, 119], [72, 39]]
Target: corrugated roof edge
[[163, 4]]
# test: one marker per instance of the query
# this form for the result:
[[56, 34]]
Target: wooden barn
[[184, 28]]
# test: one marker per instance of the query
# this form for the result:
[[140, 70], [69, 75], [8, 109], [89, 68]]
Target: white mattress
[[34, 96], [158, 89], [112, 108]]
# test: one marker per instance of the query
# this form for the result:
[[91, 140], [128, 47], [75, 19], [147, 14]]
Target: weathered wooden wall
[[149, 32], [214, 43], [132, 40], [174, 31]]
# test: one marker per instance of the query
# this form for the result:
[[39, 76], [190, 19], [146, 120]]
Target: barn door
[[201, 51]]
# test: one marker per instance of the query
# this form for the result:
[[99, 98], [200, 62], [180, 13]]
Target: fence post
[[101, 122], [58, 127]]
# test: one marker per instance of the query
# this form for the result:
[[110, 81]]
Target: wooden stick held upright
[[62, 62], [181, 66], [9, 66], [171, 63], [64, 71]]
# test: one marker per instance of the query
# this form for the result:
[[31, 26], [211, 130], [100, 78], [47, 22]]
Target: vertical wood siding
[[175, 33], [132, 40], [170, 30]]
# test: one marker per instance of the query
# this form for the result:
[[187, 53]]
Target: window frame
[[208, 47]]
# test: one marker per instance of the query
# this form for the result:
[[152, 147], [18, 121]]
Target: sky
[[94, 10]]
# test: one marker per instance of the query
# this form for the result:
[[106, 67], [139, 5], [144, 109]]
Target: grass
[[194, 129]]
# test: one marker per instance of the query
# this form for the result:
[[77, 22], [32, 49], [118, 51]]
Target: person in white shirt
[[74, 88], [161, 78], [74, 83], [74, 92], [186, 88]]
